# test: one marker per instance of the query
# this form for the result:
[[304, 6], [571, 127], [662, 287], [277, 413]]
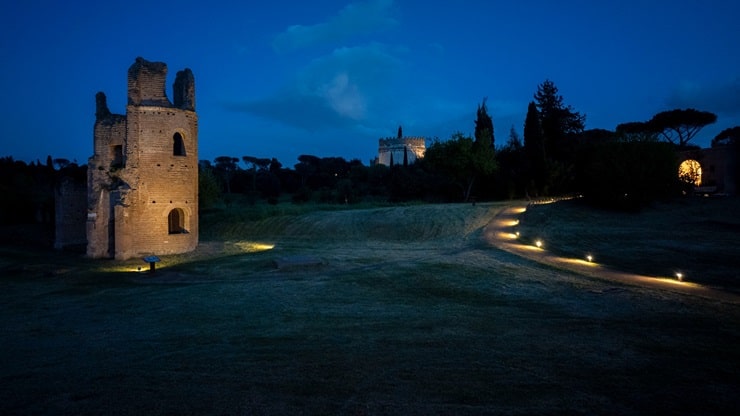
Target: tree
[[61, 163], [534, 148], [256, 163], [637, 131], [558, 121], [514, 143], [307, 166], [208, 188], [727, 136], [459, 160], [226, 166], [680, 126], [511, 169], [483, 126]]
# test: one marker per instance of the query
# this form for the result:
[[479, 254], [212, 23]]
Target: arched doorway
[[690, 172], [176, 221]]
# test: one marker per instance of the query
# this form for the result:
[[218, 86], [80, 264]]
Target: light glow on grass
[[519, 210], [507, 236], [577, 262], [253, 246]]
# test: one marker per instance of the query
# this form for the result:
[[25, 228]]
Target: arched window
[[176, 221], [178, 147], [690, 172]]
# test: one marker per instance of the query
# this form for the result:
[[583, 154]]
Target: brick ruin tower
[[142, 186]]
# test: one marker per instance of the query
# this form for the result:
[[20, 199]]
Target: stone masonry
[[142, 187]]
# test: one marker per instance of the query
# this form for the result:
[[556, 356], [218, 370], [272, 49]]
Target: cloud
[[353, 19], [718, 98], [345, 88], [306, 112]]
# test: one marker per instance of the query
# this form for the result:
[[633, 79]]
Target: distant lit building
[[394, 150]]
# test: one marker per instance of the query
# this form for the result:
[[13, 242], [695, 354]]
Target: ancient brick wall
[[143, 194]]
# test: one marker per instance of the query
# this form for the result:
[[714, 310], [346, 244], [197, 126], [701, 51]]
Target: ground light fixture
[[590, 258], [538, 243], [679, 276]]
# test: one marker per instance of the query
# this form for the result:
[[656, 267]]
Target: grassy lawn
[[696, 236], [410, 312]]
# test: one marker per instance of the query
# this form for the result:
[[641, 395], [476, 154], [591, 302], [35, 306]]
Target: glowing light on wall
[[690, 172]]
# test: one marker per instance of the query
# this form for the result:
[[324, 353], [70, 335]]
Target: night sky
[[328, 78]]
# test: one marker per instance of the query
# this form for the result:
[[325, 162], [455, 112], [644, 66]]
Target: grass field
[[409, 312]]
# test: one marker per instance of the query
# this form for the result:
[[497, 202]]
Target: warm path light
[[538, 243], [679, 276], [590, 258]]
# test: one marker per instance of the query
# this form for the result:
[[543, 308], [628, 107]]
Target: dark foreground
[[444, 326]]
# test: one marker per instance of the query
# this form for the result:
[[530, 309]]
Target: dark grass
[[447, 326]]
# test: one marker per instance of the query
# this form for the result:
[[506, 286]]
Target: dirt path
[[500, 234]]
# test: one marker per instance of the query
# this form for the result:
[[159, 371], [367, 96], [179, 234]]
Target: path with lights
[[500, 233]]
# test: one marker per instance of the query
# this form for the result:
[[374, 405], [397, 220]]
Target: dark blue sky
[[328, 78]]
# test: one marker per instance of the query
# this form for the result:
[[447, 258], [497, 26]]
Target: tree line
[[626, 168]]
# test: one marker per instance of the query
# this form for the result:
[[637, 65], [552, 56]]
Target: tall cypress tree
[[483, 126], [534, 149]]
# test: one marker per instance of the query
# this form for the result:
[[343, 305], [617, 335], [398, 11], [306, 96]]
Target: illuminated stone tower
[[391, 150], [142, 187]]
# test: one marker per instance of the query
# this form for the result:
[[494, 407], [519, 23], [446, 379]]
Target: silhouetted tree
[[680, 126], [254, 164], [225, 166], [559, 122], [511, 173], [400, 132], [727, 136], [61, 163], [459, 160], [483, 126], [534, 149], [637, 131], [208, 188]]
